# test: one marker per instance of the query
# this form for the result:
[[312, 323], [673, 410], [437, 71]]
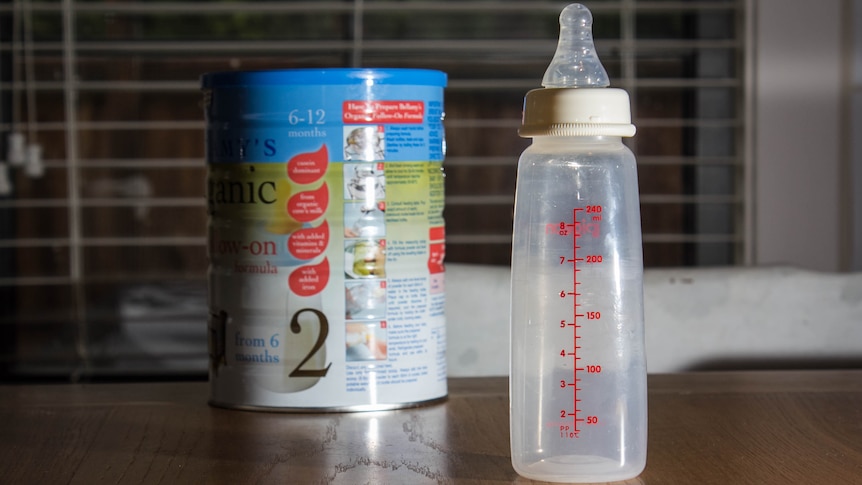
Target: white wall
[[799, 194], [855, 175], [696, 319]]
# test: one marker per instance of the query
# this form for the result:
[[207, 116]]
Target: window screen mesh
[[102, 258]]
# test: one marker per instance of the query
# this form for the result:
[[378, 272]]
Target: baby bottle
[[578, 370]]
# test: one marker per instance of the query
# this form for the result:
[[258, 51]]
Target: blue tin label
[[326, 238]]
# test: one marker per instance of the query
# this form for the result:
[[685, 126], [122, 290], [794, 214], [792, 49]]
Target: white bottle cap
[[575, 100]]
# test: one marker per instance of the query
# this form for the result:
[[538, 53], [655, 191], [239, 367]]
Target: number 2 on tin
[[321, 339]]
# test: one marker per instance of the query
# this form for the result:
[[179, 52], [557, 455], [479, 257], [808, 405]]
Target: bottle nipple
[[575, 63], [559, 110]]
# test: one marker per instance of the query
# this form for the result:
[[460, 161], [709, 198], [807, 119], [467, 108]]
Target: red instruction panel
[[383, 111]]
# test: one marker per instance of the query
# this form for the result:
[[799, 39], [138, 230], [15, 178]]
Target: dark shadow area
[[774, 363]]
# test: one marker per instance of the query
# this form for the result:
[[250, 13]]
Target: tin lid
[[392, 76]]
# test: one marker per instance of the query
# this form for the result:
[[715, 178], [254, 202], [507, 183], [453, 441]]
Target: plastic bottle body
[[578, 369]]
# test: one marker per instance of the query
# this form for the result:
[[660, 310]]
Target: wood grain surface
[[722, 428]]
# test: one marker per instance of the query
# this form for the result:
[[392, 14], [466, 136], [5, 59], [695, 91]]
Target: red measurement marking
[[575, 306], [577, 230]]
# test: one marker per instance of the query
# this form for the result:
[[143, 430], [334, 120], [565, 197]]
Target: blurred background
[[748, 144]]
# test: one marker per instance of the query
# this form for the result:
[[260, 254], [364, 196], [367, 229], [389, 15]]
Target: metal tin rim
[[330, 409], [328, 76]]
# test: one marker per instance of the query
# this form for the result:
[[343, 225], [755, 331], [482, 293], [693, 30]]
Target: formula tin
[[326, 238]]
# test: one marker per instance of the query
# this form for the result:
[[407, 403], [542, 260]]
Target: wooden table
[[723, 428]]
